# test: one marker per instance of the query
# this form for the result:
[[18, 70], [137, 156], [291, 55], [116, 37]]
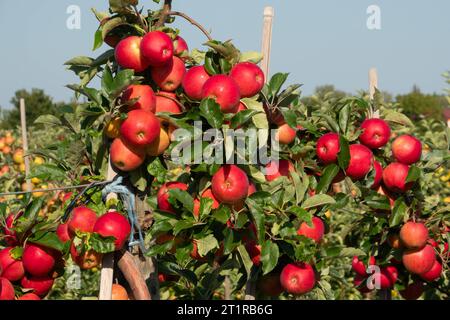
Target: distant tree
[[37, 103], [323, 92], [416, 104]]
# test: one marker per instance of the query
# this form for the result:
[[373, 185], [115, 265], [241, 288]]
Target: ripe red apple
[[269, 285], [276, 169], [86, 259], [163, 195], [128, 54], [145, 95], [62, 231], [315, 232], [240, 204], [126, 157], [162, 277], [82, 220], [434, 273], [170, 75], [224, 90], [378, 175], [10, 268], [361, 160], [413, 291], [29, 296], [167, 102], [285, 134], [360, 282], [359, 267], [37, 260], [140, 128], [375, 133], [327, 148], [388, 277], [114, 224], [180, 47], [254, 251], [230, 184], [194, 253], [249, 77], [6, 290], [419, 261], [40, 285], [407, 149], [157, 48], [414, 235], [394, 177], [298, 278], [193, 82], [8, 230], [206, 194]]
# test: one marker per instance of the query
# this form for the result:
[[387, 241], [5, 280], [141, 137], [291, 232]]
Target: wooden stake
[[23, 123], [107, 272], [373, 85], [267, 39]]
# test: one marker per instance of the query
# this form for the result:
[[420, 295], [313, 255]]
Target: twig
[[141, 21], [193, 22], [164, 13]]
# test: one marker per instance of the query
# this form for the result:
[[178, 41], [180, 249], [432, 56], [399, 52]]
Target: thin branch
[[192, 21], [141, 21], [164, 13]]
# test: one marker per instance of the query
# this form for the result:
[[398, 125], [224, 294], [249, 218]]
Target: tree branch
[[192, 21], [164, 13], [141, 21]]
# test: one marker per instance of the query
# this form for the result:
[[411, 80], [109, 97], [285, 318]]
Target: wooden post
[[267, 39], [373, 85], [107, 272], [23, 123]]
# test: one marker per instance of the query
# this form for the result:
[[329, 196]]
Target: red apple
[[128, 54], [375, 133], [224, 90], [327, 148], [163, 195], [388, 277], [407, 149], [37, 260], [419, 261], [180, 47], [298, 278], [114, 224], [140, 128], [276, 169], [269, 285], [8, 230], [10, 268], [230, 184], [360, 282], [414, 235], [413, 291], [359, 267], [254, 251], [285, 134], [126, 157], [434, 273], [378, 175], [206, 194], [249, 77], [170, 75], [315, 232], [145, 95], [361, 161], [394, 177], [6, 290], [193, 82], [40, 285], [82, 220], [157, 48], [62, 231], [167, 102], [29, 296]]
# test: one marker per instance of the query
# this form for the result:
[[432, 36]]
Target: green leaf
[[112, 24], [79, 61], [205, 207], [399, 212], [122, 80], [413, 174], [107, 80], [28, 219], [317, 201], [138, 179], [182, 196], [206, 244], [269, 256], [351, 252], [276, 82], [251, 56], [48, 171], [182, 225], [302, 214], [16, 253], [101, 244], [48, 119], [242, 117], [344, 153], [344, 115], [329, 173], [157, 170], [210, 110], [248, 264], [222, 214], [260, 118], [47, 239], [98, 40], [397, 117]]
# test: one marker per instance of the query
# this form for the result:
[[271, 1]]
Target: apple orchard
[[344, 205]]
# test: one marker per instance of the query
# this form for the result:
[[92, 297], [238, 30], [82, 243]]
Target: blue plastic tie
[[128, 198]]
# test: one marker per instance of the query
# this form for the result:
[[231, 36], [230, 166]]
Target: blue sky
[[318, 42]]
